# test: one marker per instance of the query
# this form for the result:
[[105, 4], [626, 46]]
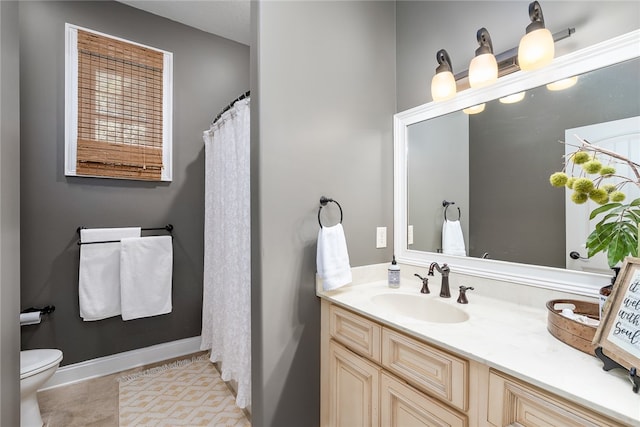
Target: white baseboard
[[122, 361]]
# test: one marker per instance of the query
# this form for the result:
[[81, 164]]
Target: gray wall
[[437, 170], [324, 104], [9, 215], [209, 71], [424, 27]]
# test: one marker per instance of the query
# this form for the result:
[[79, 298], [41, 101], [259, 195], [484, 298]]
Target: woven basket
[[573, 333]]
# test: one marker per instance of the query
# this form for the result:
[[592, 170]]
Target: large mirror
[[495, 166]]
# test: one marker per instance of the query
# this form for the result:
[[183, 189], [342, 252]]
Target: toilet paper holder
[[44, 310]]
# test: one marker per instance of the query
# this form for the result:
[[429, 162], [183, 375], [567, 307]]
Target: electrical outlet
[[381, 237], [410, 235]]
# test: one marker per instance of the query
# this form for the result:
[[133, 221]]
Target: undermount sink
[[419, 307]]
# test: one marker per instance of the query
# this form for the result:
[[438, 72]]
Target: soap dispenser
[[394, 274]]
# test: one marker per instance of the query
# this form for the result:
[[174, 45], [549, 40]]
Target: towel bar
[[168, 228]]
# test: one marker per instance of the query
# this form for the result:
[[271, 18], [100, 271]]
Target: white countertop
[[509, 336]]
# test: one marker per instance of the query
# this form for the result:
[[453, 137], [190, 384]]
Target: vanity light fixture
[[483, 69], [475, 109], [536, 47], [512, 99], [486, 68], [443, 84], [563, 84]]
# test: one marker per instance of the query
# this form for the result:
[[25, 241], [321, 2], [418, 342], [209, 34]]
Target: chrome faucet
[[444, 271]]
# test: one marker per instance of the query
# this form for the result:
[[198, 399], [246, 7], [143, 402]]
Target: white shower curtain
[[226, 311]]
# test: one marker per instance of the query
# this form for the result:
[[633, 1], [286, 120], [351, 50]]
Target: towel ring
[[323, 202], [446, 206]]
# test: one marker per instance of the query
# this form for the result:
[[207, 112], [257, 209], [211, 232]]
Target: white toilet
[[36, 367]]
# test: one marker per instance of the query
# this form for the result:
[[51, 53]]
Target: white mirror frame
[[607, 53]]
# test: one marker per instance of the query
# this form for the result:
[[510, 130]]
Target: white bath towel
[[99, 273], [146, 267], [452, 238], [332, 258]]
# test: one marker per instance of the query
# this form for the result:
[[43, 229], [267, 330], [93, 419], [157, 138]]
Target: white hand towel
[[332, 258], [146, 266], [452, 239], [99, 273]]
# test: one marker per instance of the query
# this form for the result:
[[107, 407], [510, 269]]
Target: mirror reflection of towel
[[452, 239], [332, 258]]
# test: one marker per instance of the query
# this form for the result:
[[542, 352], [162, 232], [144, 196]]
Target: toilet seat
[[33, 362]]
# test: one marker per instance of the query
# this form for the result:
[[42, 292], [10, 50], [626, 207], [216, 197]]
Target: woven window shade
[[119, 109]]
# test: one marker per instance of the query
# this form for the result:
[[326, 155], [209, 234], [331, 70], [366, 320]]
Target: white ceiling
[[227, 18]]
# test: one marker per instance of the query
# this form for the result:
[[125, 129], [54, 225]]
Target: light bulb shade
[[536, 49], [475, 109], [483, 70], [513, 98], [563, 84], [443, 86]]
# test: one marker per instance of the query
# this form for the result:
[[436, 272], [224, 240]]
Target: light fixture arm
[[537, 19], [444, 62], [484, 40]]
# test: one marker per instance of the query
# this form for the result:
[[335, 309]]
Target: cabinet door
[[353, 389], [514, 403], [403, 406]]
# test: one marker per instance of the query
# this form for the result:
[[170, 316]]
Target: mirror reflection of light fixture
[[483, 69], [536, 47], [512, 99], [443, 84], [563, 84], [475, 109]]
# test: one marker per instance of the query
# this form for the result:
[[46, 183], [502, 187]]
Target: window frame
[[71, 104]]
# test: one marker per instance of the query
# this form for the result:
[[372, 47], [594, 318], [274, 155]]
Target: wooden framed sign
[[619, 331]]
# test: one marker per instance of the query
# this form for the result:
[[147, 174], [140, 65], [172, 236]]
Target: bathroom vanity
[[396, 357]]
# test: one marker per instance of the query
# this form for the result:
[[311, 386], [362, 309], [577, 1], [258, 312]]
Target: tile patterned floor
[[91, 403]]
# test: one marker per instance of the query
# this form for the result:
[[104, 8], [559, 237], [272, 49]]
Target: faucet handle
[[462, 298], [425, 284]]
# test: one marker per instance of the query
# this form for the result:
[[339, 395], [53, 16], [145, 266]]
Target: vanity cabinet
[[373, 375], [376, 376]]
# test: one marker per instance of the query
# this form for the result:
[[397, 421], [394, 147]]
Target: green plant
[[616, 232]]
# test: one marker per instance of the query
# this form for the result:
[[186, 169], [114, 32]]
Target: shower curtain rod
[[231, 104]]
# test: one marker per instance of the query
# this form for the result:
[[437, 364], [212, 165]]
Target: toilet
[[36, 367]]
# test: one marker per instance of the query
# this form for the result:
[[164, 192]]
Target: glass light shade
[[512, 99], [563, 84], [483, 70], [474, 109], [536, 49], [443, 86]]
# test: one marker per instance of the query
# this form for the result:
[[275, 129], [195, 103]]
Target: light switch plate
[[381, 237], [410, 235]]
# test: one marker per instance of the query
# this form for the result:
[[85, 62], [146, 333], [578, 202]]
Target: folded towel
[[332, 258], [452, 238], [146, 266], [99, 273]]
